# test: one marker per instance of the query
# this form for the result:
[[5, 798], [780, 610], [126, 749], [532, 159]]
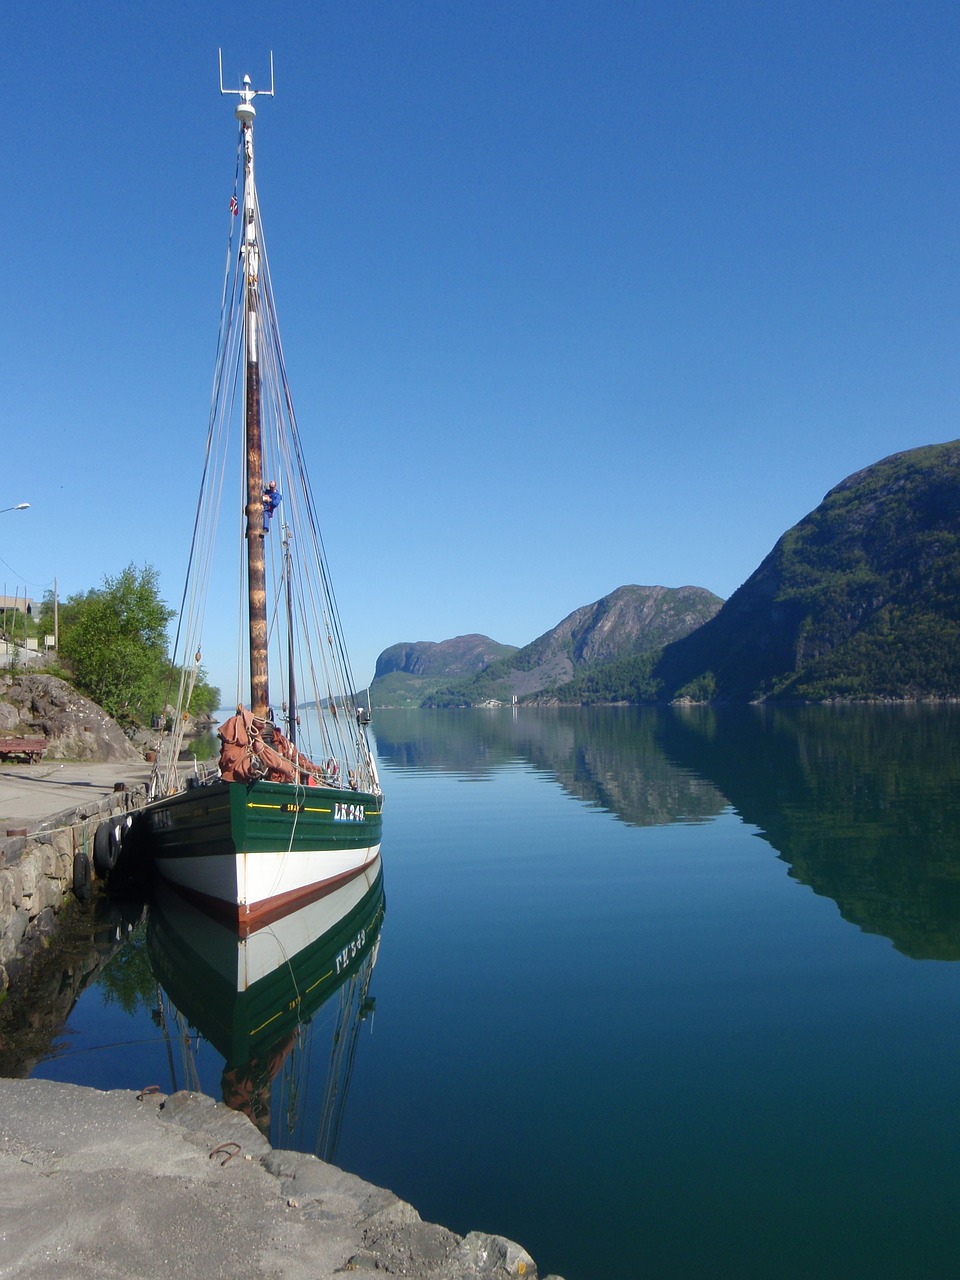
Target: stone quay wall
[[38, 875]]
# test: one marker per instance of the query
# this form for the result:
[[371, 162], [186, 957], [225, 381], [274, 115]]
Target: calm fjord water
[[658, 993]]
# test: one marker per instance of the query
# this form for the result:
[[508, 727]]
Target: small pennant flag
[[234, 207]]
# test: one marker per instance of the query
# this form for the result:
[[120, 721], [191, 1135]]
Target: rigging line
[[333, 721], [236, 389], [195, 592], [269, 931], [305, 1067], [228, 416], [274, 633], [166, 1037], [344, 662], [225, 413], [111, 1045], [294, 1079], [292, 483], [344, 1057], [334, 658], [188, 1058], [331, 1083], [299, 798], [316, 611], [364, 974], [233, 216], [243, 653], [301, 469], [321, 694], [349, 1054], [191, 616], [214, 402], [200, 593], [324, 571]]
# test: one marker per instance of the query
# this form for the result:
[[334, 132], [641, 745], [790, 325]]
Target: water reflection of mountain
[[254, 998], [607, 756], [863, 803]]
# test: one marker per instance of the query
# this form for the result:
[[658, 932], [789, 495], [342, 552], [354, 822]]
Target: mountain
[[462, 656], [631, 621], [407, 672], [860, 599]]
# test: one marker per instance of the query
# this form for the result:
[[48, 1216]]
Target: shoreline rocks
[[118, 1184]]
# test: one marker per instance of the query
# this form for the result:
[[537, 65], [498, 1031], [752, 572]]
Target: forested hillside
[[861, 599], [409, 672]]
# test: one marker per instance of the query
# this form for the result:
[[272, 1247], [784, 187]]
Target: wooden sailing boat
[[292, 811]]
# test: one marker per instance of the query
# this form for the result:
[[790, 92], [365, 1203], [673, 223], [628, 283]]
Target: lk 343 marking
[[348, 812]]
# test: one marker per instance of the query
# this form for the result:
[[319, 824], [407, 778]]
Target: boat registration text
[[351, 950], [347, 812]]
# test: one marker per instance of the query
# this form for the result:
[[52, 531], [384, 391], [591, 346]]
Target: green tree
[[205, 698], [702, 689], [114, 638]]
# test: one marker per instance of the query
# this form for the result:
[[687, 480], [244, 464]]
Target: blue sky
[[572, 294]]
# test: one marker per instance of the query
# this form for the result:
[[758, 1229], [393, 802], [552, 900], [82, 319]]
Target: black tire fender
[[106, 846], [82, 876]]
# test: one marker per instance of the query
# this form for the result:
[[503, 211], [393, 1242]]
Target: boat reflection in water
[[254, 997]]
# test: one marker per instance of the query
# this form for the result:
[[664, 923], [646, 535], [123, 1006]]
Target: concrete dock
[[34, 794]]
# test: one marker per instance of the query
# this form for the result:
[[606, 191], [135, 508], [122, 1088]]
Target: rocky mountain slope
[[860, 599], [629, 621]]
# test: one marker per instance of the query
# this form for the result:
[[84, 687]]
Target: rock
[[9, 894], [493, 1256], [47, 899], [46, 922], [16, 929], [75, 727]]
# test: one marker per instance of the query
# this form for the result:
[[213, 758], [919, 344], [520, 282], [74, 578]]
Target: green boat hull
[[253, 851]]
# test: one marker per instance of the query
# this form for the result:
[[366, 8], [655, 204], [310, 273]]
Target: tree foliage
[[627, 679], [114, 638]]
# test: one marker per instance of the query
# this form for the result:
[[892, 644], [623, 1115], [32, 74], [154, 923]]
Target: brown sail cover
[[245, 755]]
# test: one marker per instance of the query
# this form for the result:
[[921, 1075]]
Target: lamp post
[[21, 506]]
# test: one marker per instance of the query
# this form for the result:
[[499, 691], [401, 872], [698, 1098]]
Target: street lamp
[[21, 506]]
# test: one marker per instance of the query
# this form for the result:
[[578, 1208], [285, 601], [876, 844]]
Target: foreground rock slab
[[117, 1185]]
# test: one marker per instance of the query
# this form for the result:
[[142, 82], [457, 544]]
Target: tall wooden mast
[[256, 569]]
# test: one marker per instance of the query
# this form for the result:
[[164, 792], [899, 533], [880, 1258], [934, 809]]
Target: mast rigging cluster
[[298, 621]]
